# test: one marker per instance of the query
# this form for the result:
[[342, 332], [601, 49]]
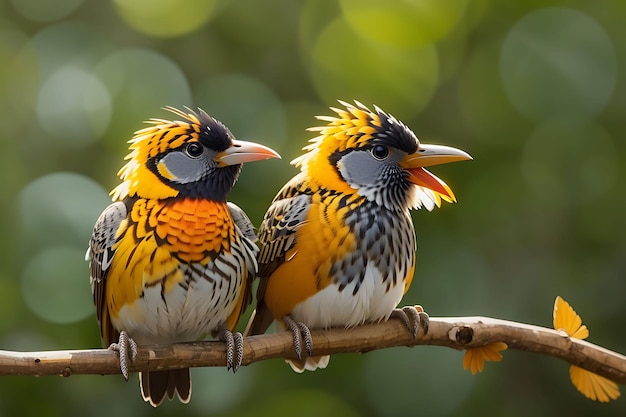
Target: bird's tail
[[310, 363], [260, 321], [156, 384]]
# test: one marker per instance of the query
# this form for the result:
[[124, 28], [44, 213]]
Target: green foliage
[[531, 89]]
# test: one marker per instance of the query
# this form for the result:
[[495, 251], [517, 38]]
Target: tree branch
[[454, 332]]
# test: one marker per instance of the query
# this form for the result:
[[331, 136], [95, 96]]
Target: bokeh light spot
[[558, 61], [345, 66], [166, 18], [19, 80], [246, 105], [141, 81], [55, 285], [61, 209], [73, 107], [403, 23], [252, 111], [571, 161], [44, 10], [69, 43]]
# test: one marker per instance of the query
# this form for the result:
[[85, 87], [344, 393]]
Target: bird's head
[[197, 157], [377, 156]]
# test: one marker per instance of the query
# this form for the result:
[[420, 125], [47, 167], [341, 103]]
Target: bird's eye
[[194, 149], [380, 152]]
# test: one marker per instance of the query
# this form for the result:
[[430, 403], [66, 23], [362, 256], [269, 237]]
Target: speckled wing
[[277, 234], [242, 221], [100, 254], [249, 238]]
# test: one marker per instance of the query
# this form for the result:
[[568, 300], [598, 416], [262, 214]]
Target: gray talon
[[127, 349], [227, 337], [306, 336], [238, 339], [412, 317], [133, 349], [425, 319], [401, 314], [300, 333]]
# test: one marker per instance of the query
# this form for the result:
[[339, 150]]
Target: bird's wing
[[100, 254], [251, 251], [242, 221], [281, 222], [277, 235]]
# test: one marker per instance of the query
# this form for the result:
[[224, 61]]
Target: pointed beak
[[428, 155], [241, 151]]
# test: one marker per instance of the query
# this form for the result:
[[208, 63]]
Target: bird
[[337, 242], [171, 260]]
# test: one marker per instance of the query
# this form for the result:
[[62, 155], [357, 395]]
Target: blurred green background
[[532, 89]]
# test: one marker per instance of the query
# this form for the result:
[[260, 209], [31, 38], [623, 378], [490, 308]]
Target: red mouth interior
[[423, 178]]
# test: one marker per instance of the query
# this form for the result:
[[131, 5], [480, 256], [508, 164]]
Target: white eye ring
[[380, 152], [194, 149]]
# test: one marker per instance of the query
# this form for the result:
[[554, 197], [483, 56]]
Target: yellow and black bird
[[171, 260], [337, 243]]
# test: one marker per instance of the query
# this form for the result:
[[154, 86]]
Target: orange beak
[[241, 151], [427, 155]]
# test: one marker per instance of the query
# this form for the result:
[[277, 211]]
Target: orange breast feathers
[[323, 239], [157, 238], [196, 230]]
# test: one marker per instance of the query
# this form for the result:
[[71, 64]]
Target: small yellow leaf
[[475, 358], [566, 319], [593, 386]]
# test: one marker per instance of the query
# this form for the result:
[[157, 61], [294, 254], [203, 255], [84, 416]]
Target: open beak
[[241, 151], [427, 155]]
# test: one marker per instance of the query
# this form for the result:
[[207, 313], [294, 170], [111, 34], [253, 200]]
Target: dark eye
[[194, 149], [380, 152]]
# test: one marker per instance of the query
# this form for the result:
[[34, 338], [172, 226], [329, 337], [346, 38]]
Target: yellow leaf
[[566, 319], [475, 358], [593, 386]]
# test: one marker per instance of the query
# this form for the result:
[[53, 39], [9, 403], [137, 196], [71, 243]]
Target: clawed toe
[[301, 335], [412, 317], [238, 339], [306, 338], [398, 313], [234, 349], [424, 318], [127, 349]]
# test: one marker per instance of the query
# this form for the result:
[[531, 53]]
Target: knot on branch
[[463, 335]]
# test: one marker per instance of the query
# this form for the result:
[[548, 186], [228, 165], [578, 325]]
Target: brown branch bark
[[454, 332]]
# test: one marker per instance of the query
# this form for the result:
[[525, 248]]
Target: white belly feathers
[[189, 312], [333, 308]]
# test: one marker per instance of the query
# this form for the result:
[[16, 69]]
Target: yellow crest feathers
[[351, 128], [150, 141]]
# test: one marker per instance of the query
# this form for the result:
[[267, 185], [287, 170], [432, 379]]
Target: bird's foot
[[127, 349], [301, 335], [234, 348], [412, 317]]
